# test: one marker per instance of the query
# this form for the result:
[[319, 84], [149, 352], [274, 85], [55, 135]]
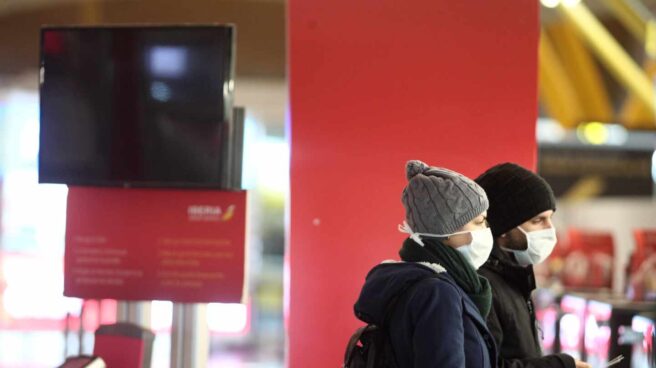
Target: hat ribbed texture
[[516, 195], [440, 201]]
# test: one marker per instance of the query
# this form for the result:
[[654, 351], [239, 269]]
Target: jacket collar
[[435, 267], [519, 277]]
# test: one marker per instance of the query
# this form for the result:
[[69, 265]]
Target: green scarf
[[475, 286]]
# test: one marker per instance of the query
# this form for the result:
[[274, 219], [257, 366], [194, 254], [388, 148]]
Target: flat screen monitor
[[612, 330], [135, 105], [598, 331], [644, 354], [572, 325]]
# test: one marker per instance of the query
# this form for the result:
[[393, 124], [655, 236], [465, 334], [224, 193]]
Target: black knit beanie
[[516, 195]]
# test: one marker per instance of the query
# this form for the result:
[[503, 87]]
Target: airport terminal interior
[[596, 146]]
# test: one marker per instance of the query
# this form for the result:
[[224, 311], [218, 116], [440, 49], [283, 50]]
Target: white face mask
[[476, 252], [540, 245]]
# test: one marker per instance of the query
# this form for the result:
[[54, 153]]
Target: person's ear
[[503, 239]]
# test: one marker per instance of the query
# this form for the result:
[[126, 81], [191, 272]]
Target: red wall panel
[[372, 85]]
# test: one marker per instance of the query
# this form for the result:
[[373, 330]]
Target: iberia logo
[[210, 213]]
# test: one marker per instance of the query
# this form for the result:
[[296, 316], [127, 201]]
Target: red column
[[372, 85]]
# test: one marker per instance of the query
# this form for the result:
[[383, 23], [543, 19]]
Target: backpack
[[370, 345]]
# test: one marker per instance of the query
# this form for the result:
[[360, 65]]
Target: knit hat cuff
[[466, 218], [500, 229]]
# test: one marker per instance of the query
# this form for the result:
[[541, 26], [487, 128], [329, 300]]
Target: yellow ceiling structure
[[577, 51]]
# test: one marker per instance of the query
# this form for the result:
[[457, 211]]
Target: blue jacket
[[433, 324]]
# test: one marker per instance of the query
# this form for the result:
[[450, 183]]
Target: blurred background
[[597, 147]]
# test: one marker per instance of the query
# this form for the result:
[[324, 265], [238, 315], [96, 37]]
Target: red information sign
[[145, 244], [589, 262], [642, 266]]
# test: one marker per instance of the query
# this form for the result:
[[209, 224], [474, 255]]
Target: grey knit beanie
[[440, 201]]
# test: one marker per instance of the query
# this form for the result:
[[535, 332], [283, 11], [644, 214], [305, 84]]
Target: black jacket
[[433, 324], [512, 319]]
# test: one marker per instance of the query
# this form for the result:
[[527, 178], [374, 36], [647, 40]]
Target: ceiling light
[[550, 3]]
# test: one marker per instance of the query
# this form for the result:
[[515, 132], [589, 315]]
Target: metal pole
[[189, 336], [189, 332], [134, 312]]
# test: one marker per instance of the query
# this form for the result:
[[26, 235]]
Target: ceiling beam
[[583, 72], [632, 14], [610, 53], [557, 93]]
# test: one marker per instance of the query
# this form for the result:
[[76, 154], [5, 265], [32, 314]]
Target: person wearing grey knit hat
[[432, 305], [441, 203], [521, 206]]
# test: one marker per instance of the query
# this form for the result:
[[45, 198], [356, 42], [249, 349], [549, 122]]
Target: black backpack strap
[[377, 334], [353, 342]]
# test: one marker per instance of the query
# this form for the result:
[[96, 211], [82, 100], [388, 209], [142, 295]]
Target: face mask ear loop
[[405, 228], [523, 232]]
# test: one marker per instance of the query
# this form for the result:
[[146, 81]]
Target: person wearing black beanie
[[521, 204]]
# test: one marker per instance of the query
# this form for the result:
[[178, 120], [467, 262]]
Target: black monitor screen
[[135, 105]]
